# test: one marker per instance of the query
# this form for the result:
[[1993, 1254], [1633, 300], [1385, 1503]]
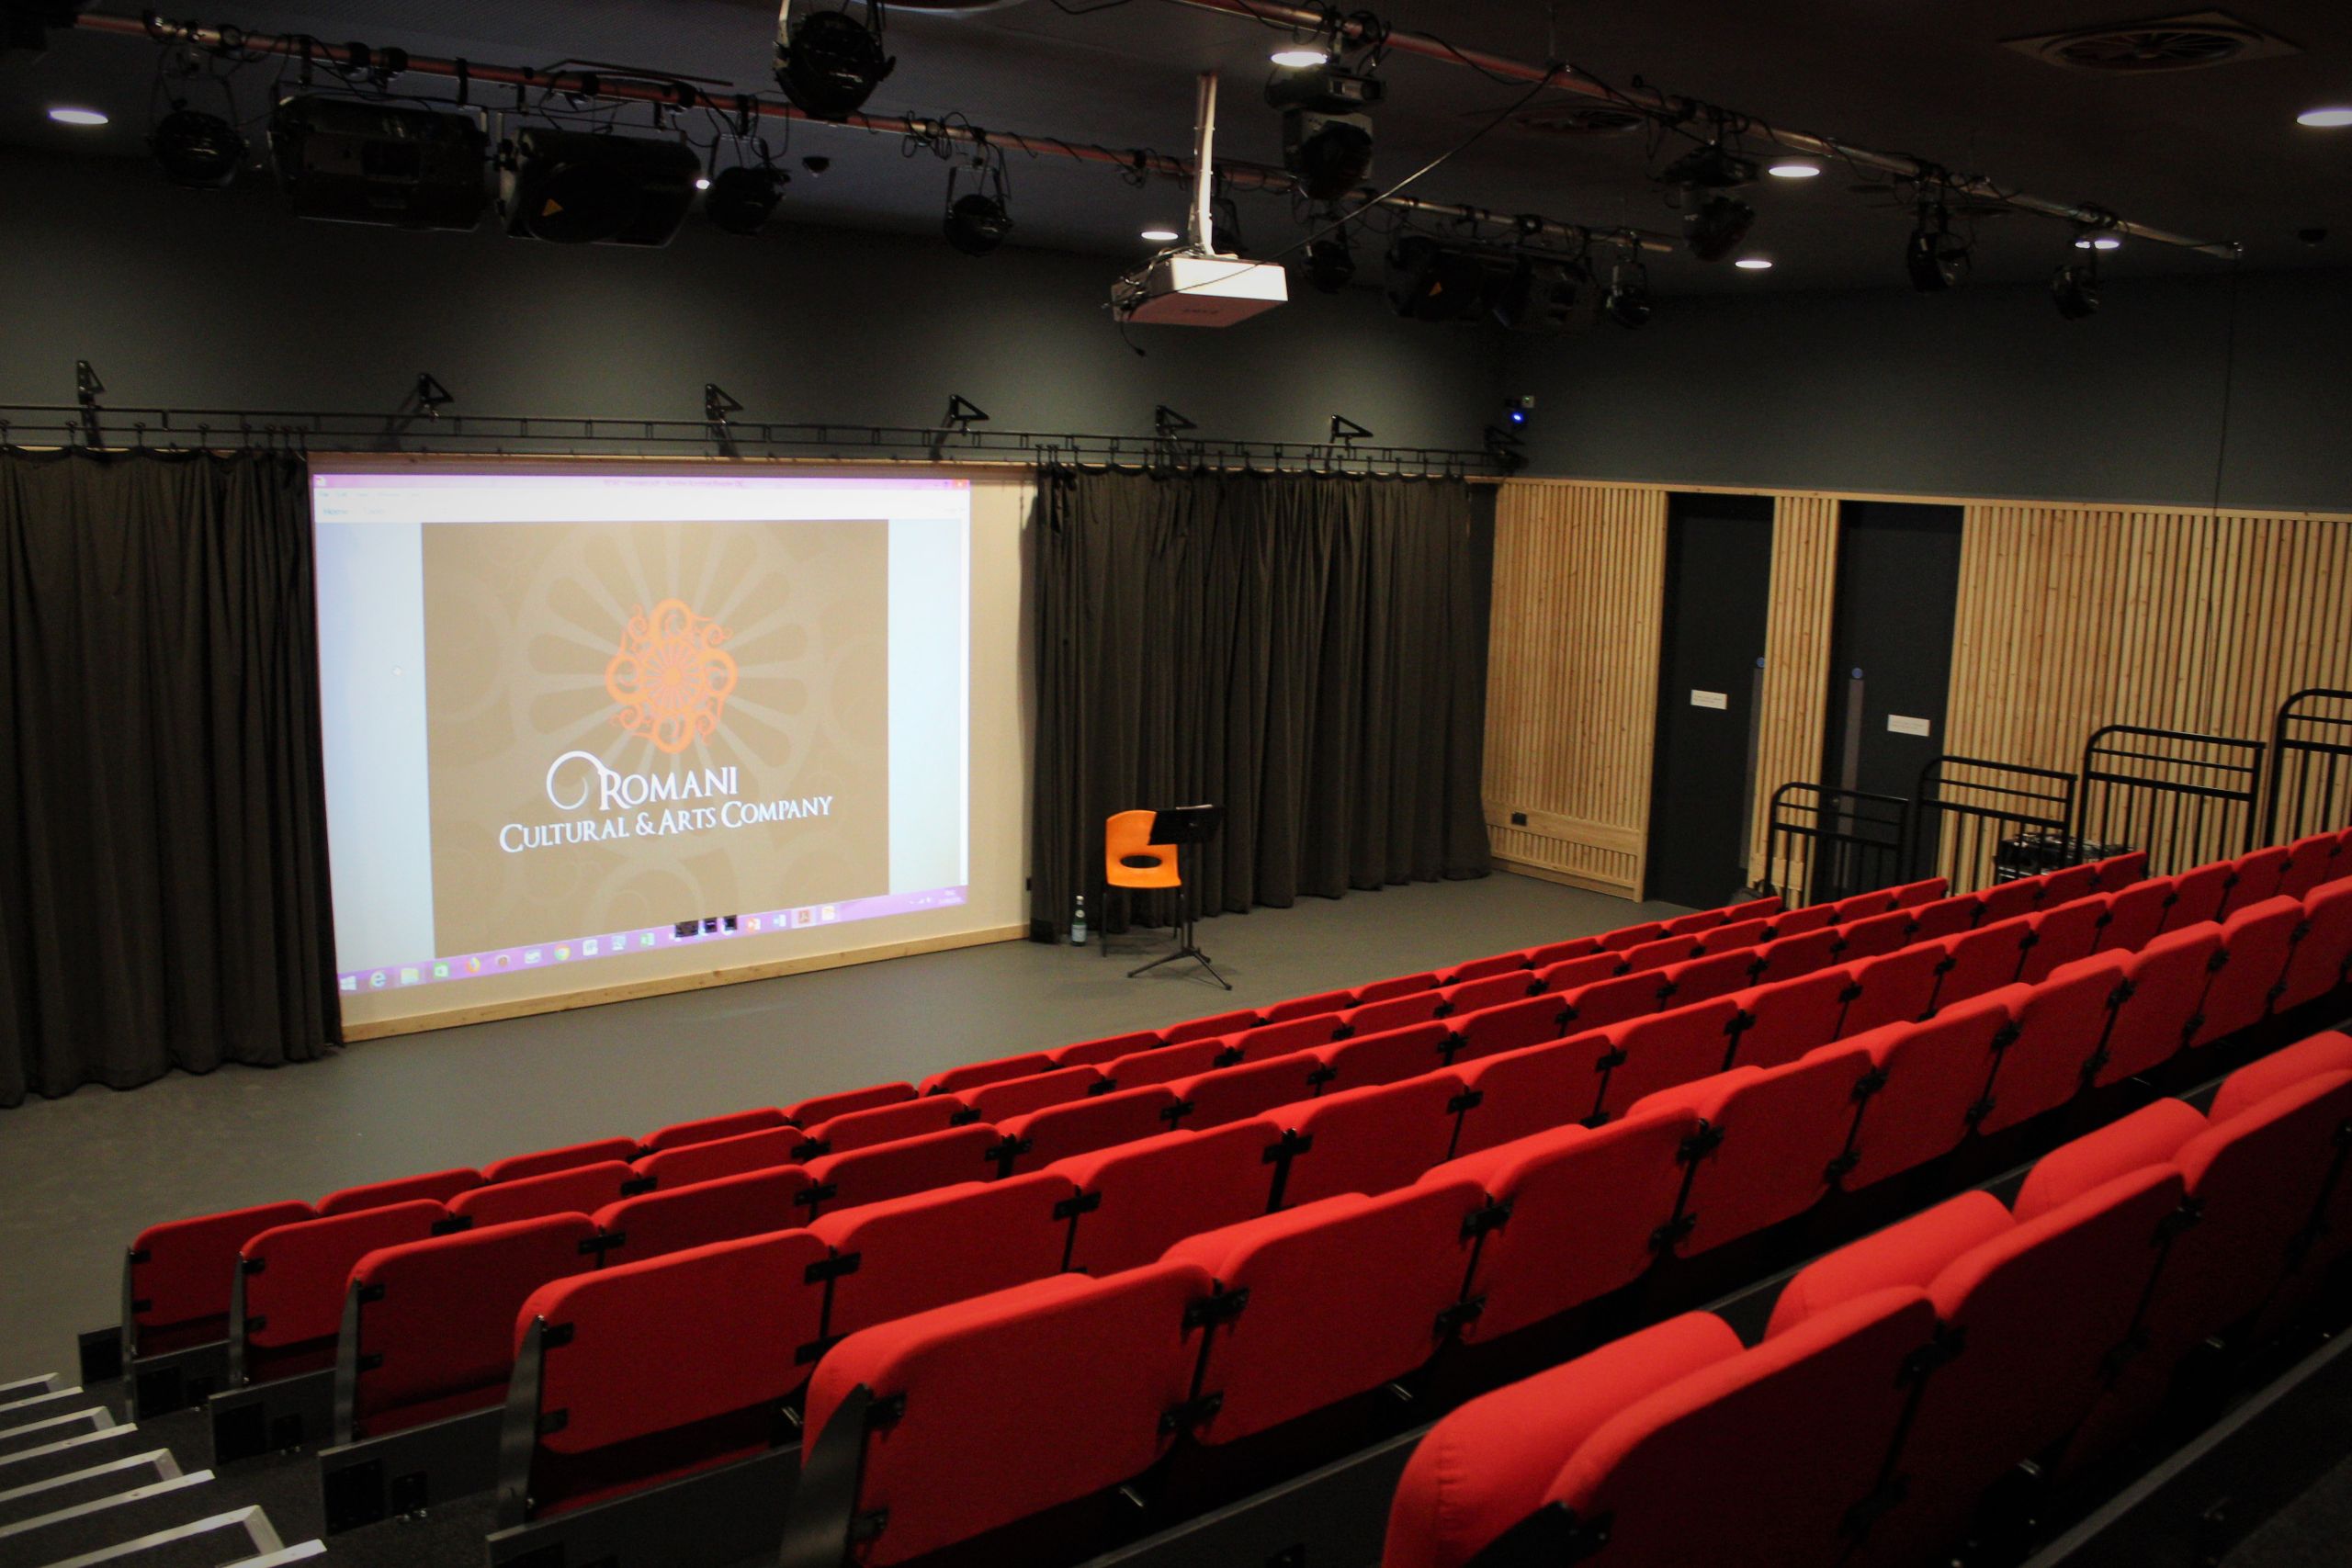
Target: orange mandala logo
[[671, 677]]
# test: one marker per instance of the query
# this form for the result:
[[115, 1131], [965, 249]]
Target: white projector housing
[[1191, 290]]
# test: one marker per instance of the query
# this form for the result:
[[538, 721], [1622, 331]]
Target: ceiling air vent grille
[[2188, 42]]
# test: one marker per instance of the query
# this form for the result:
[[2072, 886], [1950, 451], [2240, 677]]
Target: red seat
[[1634, 935], [1793, 957], [1785, 1018], [2136, 914], [2310, 861], [2007, 900], [1335, 1001], [678, 1135], [1977, 961], [1138, 1200], [582, 1190], [1476, 969], [1553, 953], [1327, 1300], [2282, 1070], [1769, 1147], [1695, 922], [2200, 894], [1605, 1002], [2054, 1044], [884, 1124], [1755, 908], [2322, 958], [513, 1167], [995, 1414], [1666, 1049], [1894, 988], [1396, 986], [2059, 936], [435, 1317], [1486, 1466], [653, 1224], [1870, 937], [1211, 1027], [294, 1277], [1018, 1097], [1862, 905], [1492, 991], [1916, 895], [1907, 1255], [2167, 981], [2119, 872], [1533, 1089], [1658, 955], [1790, 1437], [1036, 1140], [1813, 917], [689, 1163], [436, 1187], [1489, 1032], [2256, 944], [2259, 876], [1571, 973], [972, 1075], [1164, 1064], [819, 1108], [1388, 1057], [1574, 1214], [1110, 1048], [1703, 979], [877, 1172], [181, 1273], [1936, 1076], [908, 1255], [1223, 1095], [1733, 935], [1271, 1039], [1370, 1140], [1391, 1013], [650, 1369], [2066, 884]]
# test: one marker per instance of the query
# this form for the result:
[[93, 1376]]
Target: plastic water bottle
[[1078, 923]]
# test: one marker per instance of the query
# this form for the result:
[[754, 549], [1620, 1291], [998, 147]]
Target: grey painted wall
[[1984, 391], [220, 300]]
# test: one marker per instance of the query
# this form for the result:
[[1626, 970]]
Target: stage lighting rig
[[977, 223], [1713, 223], [2073, 288], [1330, 264], [356, 161], [1538, 294], [743, 200], [201, 150], [576, 188], [1627, 303], [1937, 259], [1327, 136], [1433, 282], [827, 61]]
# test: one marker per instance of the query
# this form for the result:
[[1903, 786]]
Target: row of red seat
[[1903, 1375], [1687, 1171]]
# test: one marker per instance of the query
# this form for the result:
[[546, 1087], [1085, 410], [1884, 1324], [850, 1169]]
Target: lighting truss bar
[[1663, 106], [672, 94], [454, 434]]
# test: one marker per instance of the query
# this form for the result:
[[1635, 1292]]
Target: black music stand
[[1185, 827]]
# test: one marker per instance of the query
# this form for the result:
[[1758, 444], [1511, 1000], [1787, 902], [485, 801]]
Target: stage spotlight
[[198, 150], [1327, 140], [2073, 288], [1536, 295], [827, 61], [1711, 167], [1430, 282], [576, 188], [978, 221], [1937, 259], [1330, 265], [1715, 227], [348, 161], [1519, 410], [743, 200], [1627, 303]]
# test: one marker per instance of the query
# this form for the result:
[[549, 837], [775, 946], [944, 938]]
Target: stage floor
[[83, 1174]]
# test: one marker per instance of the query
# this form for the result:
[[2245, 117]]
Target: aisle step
[[104, 1478], [76, 1450], [243, 1537], [46, 1429], [95, 1523]]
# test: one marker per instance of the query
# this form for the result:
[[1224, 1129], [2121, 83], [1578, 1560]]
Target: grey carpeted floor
[[81, 1175]]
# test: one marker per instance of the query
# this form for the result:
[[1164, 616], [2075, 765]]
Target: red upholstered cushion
[[2062, 935], [2150, 1135], [294, 1273], [1371, 1140], [2257, 1081], [1585, 1205], [1733, 935], [1493, 990], [887, 1123], [1789, 1436], [436, 1187], [1344, 1296], [2257, 942], [825, 1107], [1915, 895], [690, 1162], [1941, 918], [1697, 920], [1482, 1469], [1935, 1075], [670, 1341], [1018, 1097], [673, 1220], [1875, 934], [2258, 1176], [182, 1272], [2119, 872], [1570, 974], [1864, 906], [2067, 884], [1718, 975], [1910, 1253], [1110, 1048], [1666, 1049], [1605, 1002], [1289, 1036], [1165, 1064], [678, 1135], [1790, 1016], [972, 1075], [2310, 860], [2060, 1027], [1770, 905], [1333, 1001], [1396, 986], [436, 1318], [2007, 900], [1387, 1057], [1893, 988], [1211, 1027], [1794, 956], [1489, 1031], [925, 1251], [1238, 1093], [515, 1168], [1977, 961], [1656, 954], [1813, 917], [1392, 1012], [1148, 1195], [1634, 935], [581, 1190], [1015, 1402], [2259, 876], [902, 1166], [1478, 969], [2319, 965], [1533, 1089], [2135, 914], [1097, 1121], [1561, 952], [2167, 977], [2200, 892]]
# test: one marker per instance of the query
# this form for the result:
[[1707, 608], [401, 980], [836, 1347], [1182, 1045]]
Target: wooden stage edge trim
[[457, 1018]]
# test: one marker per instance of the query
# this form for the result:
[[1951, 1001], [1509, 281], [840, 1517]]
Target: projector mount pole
[[1203, 219]]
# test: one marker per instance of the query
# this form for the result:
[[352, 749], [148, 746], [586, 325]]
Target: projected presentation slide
[[578, 715]]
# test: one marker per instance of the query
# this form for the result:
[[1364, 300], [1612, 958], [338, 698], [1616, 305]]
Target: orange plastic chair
[[1132, 862]]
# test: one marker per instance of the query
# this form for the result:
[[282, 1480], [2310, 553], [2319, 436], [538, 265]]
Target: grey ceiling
[[2213, 153]]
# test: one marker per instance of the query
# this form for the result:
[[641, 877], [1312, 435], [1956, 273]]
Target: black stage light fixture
[[1538, 294], [1430, 282], [978, 221], [1330, 265], [353, 161], [743, 200], [1714, 227], [1327, 138], [1937, 259], [829, 62], [1627, 303], [577, 187], [2073, 288], [198, 150], [1711, 167]]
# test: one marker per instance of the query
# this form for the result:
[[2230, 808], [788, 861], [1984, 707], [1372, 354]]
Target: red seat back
[[514, 1167], [1666, 1049], [1140, 1198], [1225, 1095], [1793, 957], [1110, 1048], [581, 1190], [1894, 988], [1936, 1077], [2198, 894], [2167, 980], [884, 1124], [1388, 1057], [1334, 1001], [1494, 990], [1165, 1064], [1287, 1038], [819, 1108], [653, 1224], [972, 1075], [1605, 1002], [2310, 861], [1018, 1097], [2256, 944], [1785, 1018], [294, 1279], [182, 1272], [908, 1255], [1733, 935], [686, 1164], [1211, 1027], [2007, 900], [678, 1135], [1977, 961], [1491, 1031], [1370, 1140], [2060, 936], [1035, 1141], [436, 1187], [2259, 876], [1875, 934], [1571, 973], [906, 1164], [2136, 914], [1533, 1089], [2053, 1044], [2322, 957]]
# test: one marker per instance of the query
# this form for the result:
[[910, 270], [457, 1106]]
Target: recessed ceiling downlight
[[1299, 57], [1793, 169], [63, 114], [2331, 117], [1754, 264], [1161, 235]]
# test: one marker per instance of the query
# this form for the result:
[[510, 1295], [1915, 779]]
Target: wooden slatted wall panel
[[2072, 617], [1572, 679], [1803, 594]]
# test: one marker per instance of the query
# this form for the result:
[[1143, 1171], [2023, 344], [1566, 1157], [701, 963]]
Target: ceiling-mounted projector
[[1205, 289]]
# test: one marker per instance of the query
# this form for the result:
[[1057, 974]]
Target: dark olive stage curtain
[[1308, 652], [163, 874]]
